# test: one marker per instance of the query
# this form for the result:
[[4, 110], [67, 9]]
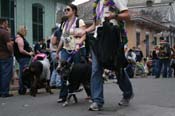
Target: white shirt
[[132, 57], [120, 4], [71, 44]]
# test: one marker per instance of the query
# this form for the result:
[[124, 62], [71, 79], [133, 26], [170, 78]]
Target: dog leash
[[71, 56], [73, 53]]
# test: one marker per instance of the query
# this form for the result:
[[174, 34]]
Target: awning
[[149, 23]]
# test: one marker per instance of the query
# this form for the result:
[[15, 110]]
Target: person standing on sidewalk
[[23, 53], [6, 59], [102, 12], [164, 56]]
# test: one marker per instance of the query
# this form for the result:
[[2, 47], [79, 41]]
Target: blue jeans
[[6, 72], [76, 58], [55, 77], [165, 63], [97, 82], [155, 64], [23, 62]]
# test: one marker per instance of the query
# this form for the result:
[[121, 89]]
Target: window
[[155, 40], [161, 38], [137, 39], [8, 11], [167, 39], [147, 44], [37, 14]]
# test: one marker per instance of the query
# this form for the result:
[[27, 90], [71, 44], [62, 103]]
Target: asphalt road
[[153, 97]]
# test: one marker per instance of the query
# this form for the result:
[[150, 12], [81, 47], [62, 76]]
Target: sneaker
[[125, 102], [95, 107], [60, 100]]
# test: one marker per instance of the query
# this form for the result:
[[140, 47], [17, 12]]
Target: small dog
[[37, 76], [75, 75]]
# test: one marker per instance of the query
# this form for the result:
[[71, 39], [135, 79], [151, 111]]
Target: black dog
[[36, 76], [75, 75]]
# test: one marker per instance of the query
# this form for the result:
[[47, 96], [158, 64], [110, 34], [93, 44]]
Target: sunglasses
[[67, 9]]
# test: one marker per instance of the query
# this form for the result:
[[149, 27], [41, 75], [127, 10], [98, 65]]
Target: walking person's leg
[[125, 86], [96, 85]]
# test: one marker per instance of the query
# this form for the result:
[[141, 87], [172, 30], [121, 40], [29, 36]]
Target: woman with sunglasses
[[72, 47]]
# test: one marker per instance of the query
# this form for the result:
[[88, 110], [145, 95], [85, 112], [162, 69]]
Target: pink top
[[40, 55]]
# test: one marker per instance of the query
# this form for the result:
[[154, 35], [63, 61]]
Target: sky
[[76, 2]]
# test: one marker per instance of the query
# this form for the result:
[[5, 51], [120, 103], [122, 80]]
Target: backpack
[[165, 50], [63, 24]]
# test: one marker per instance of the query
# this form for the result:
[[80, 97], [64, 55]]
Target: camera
[[67, 39]]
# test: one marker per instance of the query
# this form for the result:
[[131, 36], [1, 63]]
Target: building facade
[[39, 16], [150, 24]]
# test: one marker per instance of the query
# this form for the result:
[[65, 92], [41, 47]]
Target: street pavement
[[153, 97]]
